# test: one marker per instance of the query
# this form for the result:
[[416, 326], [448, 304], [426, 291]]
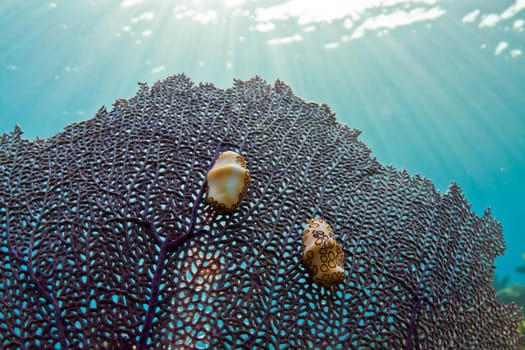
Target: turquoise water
[[437, 87]]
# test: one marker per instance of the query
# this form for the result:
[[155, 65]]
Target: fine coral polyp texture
[[108, 241]]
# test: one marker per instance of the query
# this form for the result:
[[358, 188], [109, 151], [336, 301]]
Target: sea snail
[[227, 182], [322, 256]]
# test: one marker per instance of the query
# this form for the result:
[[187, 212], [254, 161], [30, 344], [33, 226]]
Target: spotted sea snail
[[322, 256], [227, 182]]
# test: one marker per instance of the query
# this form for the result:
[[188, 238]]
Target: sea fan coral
[[107, 240]]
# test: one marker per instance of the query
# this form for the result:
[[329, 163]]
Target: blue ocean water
[[436, 86]]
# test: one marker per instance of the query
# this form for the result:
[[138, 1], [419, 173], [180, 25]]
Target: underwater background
[[436, 87]]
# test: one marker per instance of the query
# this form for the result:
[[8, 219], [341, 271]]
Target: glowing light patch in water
[[489, 20], [285, 40], [129, 3], [518, 25], [330, 46], [471, 16], [209, 16], [233, 3], [146, 16], [513, 10], [265, 27], [502, 45], [205, 16]]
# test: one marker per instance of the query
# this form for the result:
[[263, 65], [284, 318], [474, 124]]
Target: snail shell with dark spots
[[322, 256]]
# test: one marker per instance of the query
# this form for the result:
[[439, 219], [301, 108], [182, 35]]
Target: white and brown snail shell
[[322, 256], [227, 182]]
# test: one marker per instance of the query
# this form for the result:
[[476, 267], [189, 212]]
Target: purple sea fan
[[107, 240]]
